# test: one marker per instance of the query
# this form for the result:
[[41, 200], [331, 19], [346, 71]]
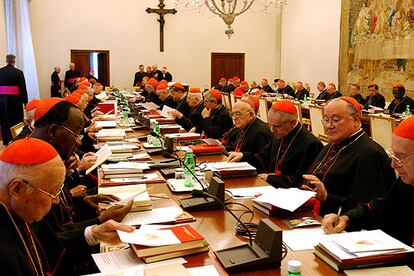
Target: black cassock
[[194, 119], [391, 213], [401, 106], [58, 253], [70, 77], [183, 106], [218, 123], [287, 159], [334, 95], [252, 139], [359, 98], [169, 101], [287, 90], [55, 85], [355, 170], [300, 95], [322, 95], [228, 88], [138, 78], [268, 89], [12, 96], [167, 76], [377, 100], [153, 97]]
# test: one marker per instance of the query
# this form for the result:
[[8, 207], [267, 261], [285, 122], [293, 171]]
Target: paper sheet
[[165, 111], [106, 124], [209, 270], [101, 155], [381, 271], [157, 215], [303, 239], [287, 199], [149, 237], [250, 192]]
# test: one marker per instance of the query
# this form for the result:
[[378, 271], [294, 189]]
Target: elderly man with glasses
[[31, 176], [389, 213], [352, 168]]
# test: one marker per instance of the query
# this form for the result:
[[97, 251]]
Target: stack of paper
[[137, 193], [285, 199], [124, 170], [361, 249], [106, 124], [228, 169], [110, 134]]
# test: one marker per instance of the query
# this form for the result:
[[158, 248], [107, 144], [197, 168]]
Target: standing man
[[13, 95], [165, 75], [374, 98], [155, 73], [139, 76], [56, 83], [71, 75]]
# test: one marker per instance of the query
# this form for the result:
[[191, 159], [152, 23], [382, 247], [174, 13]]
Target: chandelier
[[228, 9]]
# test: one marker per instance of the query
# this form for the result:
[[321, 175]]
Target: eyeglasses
[[400, 162], [47, 193], [237, 114], [334, 121], [79, 137]]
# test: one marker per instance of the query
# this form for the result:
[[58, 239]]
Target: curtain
[[19, 42]]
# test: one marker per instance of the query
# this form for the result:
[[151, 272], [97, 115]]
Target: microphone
[[201, 193]]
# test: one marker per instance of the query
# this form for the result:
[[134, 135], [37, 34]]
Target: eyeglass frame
[[336, 122], [238, 114], [44, 192], [400, 162], [79, 137]]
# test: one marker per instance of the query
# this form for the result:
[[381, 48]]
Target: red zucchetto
[[216, 94], [253, 101], [194, 89], [406, 129], [44, 106], [32, 104], [352, 101], [28, 151], [284, 106]]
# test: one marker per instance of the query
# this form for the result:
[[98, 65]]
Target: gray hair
[[208, 96], [284, 116], [197, 96]]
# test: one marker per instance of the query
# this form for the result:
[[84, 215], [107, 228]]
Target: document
[[250, 192], [229, 166], [303, 239], [287, 199], [209, 270], [101, 155], [381, 271], [157, 215], [104, 124], [149, 237], [165, 111]]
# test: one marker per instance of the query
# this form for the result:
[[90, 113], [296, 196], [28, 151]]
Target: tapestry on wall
[[377, 44]]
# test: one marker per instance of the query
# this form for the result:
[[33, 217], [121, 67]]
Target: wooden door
[[82, 60], [226, 65]]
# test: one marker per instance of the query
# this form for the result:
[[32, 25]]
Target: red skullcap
[[28, 151], [216, 94], [398, 85], [265, 80], [32, 104], [321, 83], [284, 106], [406, 128], [352, 101], [223, 79], [44, 106], [253, 101], [332, 84], [153, 82], [162, 86], [73, 98], [244, 83], [178, 85], [91, 80], [281, 81], [194, 90]]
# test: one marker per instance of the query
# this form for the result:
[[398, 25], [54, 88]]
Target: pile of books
[[361, 249], [124, 170], [115, 134], [152, 245], [231, 169]]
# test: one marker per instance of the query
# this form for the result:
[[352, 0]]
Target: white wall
[[310, 41], [3, 45], [132, 37]]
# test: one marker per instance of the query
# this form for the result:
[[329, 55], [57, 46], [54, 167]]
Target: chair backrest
[[316, 116], [232, 99], [299, 110], [382, 129], [324, 139], [16, 129], [263, 109], [226, 100]]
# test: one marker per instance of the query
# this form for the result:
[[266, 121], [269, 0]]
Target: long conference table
[[218, 226]]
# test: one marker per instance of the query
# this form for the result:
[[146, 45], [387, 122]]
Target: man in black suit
[[139, 76], [56, 83], [374, 98], [165, 75], [13, 95], [71, 75]]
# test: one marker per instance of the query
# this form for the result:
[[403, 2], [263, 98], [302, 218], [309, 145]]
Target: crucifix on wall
[[161, 12]]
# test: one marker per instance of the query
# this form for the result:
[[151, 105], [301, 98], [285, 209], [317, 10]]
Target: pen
[[338, 214]]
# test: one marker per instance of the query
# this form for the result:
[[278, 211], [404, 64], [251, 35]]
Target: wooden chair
[[381, 129], [324, 139], [316, 116], [232, 99], [226, 100], [304, 121], [135, 88], [16, 129], [263, 109]]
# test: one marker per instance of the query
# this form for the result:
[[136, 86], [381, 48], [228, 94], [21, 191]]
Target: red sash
[[9, 90], [71, 80]]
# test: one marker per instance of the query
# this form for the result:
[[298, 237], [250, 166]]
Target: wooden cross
[[161, 12]]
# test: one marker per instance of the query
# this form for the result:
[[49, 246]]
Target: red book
[[107, 107], [206, 149]]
